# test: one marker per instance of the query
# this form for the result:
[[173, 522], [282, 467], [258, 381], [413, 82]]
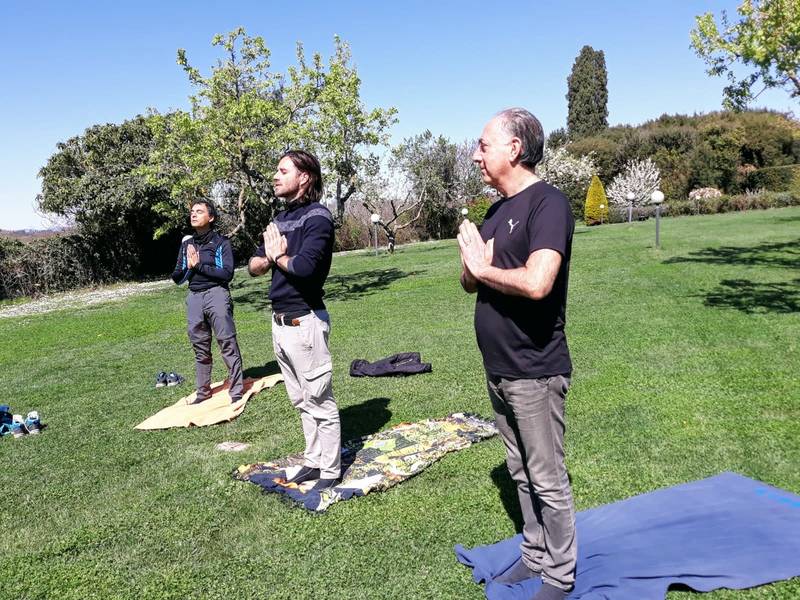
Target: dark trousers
[[207, 311], [530, 418]]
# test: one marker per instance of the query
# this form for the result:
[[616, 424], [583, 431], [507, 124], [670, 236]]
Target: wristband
[[275, 259]]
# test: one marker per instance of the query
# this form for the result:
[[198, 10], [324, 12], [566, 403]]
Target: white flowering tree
[[568, 173], [640, 177]]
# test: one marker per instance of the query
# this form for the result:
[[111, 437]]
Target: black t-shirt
[[522, 338]]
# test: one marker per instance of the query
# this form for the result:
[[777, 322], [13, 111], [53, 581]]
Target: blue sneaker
[[174, 379], [161, 379], [6, 418], [18, 428], [32, 423]]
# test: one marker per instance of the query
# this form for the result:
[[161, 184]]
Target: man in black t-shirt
[[518, 263]]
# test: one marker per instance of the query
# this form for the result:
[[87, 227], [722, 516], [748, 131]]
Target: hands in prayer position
[[192, 257], [275, 244], [476, 255]]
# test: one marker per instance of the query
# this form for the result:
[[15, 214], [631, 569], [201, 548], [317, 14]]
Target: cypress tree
[[587, 94], [595, 198]]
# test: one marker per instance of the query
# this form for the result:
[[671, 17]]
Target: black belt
[[290, 319]]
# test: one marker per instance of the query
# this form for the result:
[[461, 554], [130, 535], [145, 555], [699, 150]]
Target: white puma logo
[[511, 226]]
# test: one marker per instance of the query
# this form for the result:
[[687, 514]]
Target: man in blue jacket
[[298, 248], [205, 260]]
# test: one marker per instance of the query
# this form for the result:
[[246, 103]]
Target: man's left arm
[[535, 280], [317, 235], [222, 269]]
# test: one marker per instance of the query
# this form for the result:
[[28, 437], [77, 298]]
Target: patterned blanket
[[375, 462]]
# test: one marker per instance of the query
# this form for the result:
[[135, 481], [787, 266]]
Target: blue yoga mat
[[727, 531]]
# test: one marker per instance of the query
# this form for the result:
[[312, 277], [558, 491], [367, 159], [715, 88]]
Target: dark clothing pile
[[405, 363]]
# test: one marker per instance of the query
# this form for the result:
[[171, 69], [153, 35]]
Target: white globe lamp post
[[657, 198], [630, 197], [375, 218]]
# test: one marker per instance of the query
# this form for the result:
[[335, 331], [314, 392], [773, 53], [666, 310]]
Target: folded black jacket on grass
[[405, 363]]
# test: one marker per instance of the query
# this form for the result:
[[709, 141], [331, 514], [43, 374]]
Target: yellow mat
[[216, 409]]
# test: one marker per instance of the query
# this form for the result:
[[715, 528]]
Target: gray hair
[[521, 124]]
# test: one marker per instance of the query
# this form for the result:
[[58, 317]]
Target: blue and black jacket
[[215, 266]]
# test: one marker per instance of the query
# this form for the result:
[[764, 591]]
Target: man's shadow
[[365, 418], [507, 489], [359, 421], [265, 370]]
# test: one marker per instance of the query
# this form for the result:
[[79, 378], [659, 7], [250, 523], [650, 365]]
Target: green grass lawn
[[686, 365]]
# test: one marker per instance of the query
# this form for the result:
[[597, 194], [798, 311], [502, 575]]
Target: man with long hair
[[298, 247]]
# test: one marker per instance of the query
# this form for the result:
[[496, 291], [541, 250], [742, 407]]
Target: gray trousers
[[212, 310], [530, 418], [305, 361]]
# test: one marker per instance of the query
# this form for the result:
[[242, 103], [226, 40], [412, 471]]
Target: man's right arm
[[179, 275], [468, 282], [258, 265]]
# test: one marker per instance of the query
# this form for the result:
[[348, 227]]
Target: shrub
[[352, 235], [60, 263], [477, 209], [706, 192], [596, 209], [774, 179], [569, 174]]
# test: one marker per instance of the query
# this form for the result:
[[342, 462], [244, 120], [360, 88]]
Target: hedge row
[[61, 263], [709, 206]]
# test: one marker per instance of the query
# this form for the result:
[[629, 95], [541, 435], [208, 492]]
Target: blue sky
[[446, 66]]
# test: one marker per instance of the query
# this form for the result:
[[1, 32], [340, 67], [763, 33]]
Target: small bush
[[774, 179], [352, 235], [596, 207], [477, 209]]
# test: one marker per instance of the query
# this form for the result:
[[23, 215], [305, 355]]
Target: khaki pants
[[305, 361]]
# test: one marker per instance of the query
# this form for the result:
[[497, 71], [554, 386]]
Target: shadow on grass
[[365, 418], [781, 254], [508, 495], [270, 368], [364, 283], [252, 295], [753, 298]]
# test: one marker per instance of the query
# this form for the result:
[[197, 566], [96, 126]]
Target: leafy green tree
[[93, 179], [244, 116], [766, 40], [587, 94], [441, 174]]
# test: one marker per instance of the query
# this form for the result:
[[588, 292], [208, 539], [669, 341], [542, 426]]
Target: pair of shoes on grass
[[19, 426], [309, 474], [168, 379]]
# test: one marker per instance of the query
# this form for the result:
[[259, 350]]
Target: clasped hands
[[192, 256], [476, 256], [275, 244]]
